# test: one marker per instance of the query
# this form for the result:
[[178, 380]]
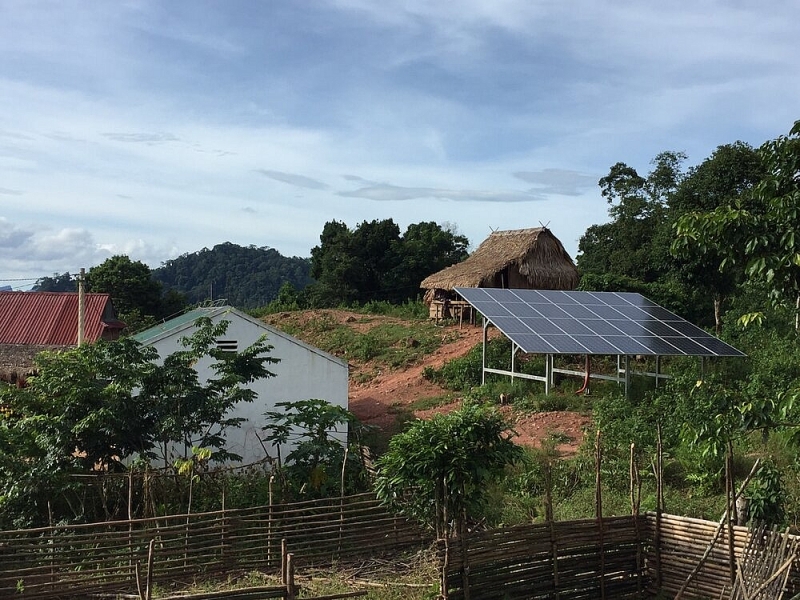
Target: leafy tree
[[98, 404], [315, 463], [194, 412], [437, 471], [775, 245], [373, 262], [425, 248], [136, 295], [761, 232], [129, 283], [64, 282], [722, 182], [634, 244]]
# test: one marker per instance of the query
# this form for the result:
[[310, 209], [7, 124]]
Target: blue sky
[[153, 129]]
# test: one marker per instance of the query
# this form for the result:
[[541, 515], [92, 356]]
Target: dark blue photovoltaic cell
[[630, 312], [510, 325], [504, 295], [534, 344], [572, 327], [525, 311], [597, 345], [576, 311], [601, 327], [627, 345], [584, 298], [542, 326], [686, 328], [659, 328], [629, 328], [491, 309], [656, 345], [567, 344], [715, 346], [656, 312], [686, 345], [607, 312], [623, 323], [551, 311]]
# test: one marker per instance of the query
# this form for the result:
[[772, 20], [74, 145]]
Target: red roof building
[[34, 321]]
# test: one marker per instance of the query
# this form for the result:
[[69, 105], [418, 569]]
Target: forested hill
[[247, 277]]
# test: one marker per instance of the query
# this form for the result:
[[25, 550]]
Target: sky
[[154, 129]]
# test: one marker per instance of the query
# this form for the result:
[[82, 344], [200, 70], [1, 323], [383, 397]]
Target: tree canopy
[[100, 404], [245, 276], [437, 471], [373, 262]]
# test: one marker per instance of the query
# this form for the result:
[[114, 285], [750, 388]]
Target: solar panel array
[[572, 322]]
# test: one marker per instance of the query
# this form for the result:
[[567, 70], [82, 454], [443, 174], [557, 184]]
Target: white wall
[[303, 372]]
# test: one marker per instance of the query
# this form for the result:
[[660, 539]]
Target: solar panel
[[573, 322]]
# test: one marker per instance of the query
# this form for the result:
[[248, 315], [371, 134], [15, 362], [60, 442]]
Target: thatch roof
[[536, 254]]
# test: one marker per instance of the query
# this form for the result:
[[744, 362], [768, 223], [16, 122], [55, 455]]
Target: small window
[[228, 345]]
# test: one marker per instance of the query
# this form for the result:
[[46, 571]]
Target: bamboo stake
[[284, 566], [291, 590], [717, 531], [599, 513], [149, 588], [446, 562], [731, 500], [659, 468], [464, 554], [269, 523]]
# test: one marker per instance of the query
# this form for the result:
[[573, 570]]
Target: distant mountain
[[247, 277]]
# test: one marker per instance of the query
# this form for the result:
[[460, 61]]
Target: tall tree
[[634, 244], [725, 179], [64, 282], [135, 293], [425, 248], [759, 230], [374, 262]]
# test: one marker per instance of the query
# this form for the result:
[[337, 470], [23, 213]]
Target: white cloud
[[156, 129]]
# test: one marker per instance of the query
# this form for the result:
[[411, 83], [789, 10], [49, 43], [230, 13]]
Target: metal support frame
[[622, 377]]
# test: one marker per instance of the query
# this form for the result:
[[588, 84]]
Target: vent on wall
[[228, 345]]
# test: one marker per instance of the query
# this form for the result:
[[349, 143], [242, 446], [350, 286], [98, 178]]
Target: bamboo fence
[[685, 541], [613, 557], [566, 560], [78, 560], [610, 557]]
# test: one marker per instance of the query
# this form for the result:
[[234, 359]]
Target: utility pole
[[81, 307]]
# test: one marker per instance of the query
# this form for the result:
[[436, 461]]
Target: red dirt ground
[[377, 401]]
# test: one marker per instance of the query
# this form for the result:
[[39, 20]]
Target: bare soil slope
[[382, 399]]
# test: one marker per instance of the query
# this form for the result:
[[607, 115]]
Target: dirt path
[[389, 395]]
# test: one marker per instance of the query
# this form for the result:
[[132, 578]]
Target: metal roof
[[577, 322], [51, 318], [178, 322]]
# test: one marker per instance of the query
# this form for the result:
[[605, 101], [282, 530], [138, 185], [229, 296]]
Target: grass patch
[[391, 344]]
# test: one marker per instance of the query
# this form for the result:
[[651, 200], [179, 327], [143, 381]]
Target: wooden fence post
[[598, 457], [283, 561], [291, 591], [269, 525], [731, 507], [464, 554]]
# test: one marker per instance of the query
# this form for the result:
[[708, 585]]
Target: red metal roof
[[51, 318]]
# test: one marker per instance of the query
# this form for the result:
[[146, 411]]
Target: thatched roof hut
[[521, 258]]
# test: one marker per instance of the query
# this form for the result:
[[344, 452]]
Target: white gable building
[[304, 372]]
